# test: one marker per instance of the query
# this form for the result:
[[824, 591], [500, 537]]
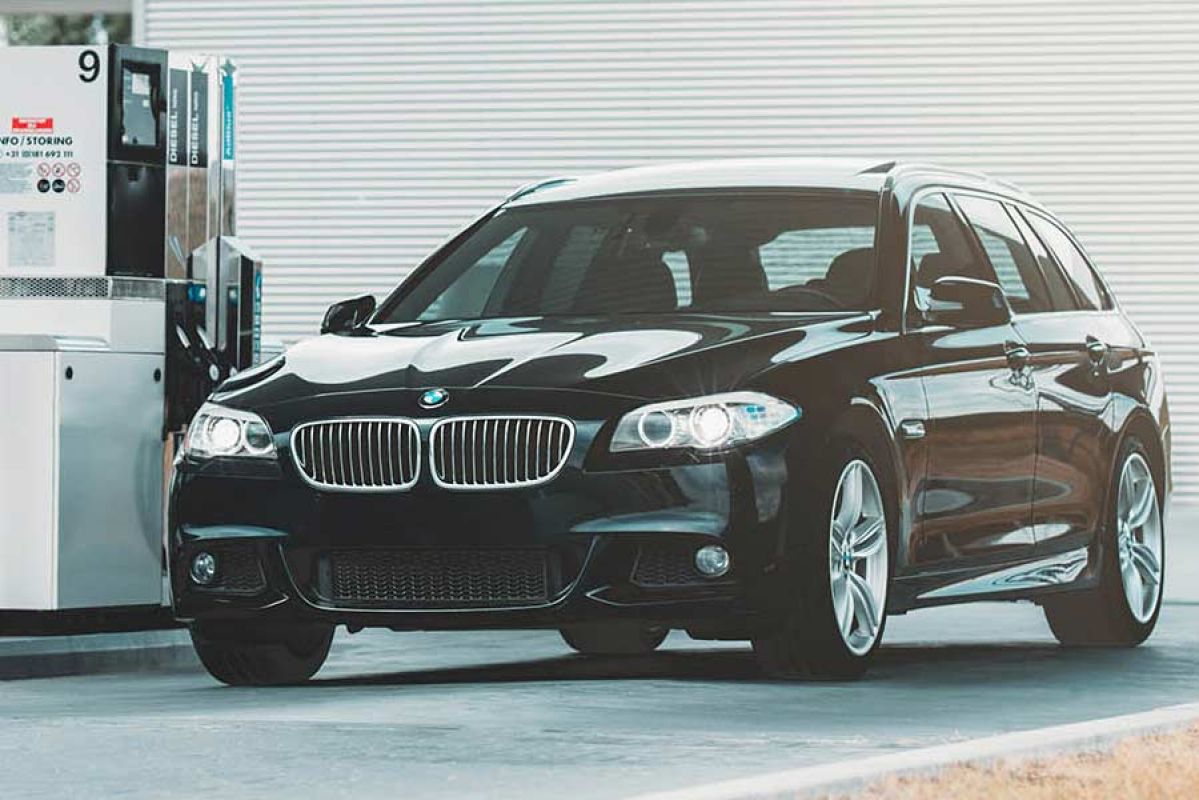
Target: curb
[[56, 656], [849, 776]]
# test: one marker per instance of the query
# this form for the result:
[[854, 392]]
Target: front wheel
[[1122, 611], [836, 618], [242, 655]]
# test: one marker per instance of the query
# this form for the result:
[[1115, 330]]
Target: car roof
[[844, 174]]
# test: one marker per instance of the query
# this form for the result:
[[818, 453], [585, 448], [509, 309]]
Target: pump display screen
[[139, 126]]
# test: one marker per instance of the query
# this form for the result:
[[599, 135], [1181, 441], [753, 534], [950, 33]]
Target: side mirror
[[968, 303], [348, 314]]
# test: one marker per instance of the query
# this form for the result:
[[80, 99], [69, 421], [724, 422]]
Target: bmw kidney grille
[[498, 452], [358, 454]]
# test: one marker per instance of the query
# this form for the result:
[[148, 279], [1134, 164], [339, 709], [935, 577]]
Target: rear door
[[1075, 346]]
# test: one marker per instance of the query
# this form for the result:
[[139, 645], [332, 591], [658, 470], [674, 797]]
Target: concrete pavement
[[442, 715], [445, 715]]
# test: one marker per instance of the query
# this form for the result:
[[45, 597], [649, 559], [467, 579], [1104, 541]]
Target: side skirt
[[1009, 582]]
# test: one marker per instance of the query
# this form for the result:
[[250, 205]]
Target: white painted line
[[845, 776]]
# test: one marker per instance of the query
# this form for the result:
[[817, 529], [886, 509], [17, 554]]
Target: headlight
[[703, 423], [217, 431]]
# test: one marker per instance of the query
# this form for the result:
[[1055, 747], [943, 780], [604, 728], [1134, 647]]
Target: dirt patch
[[1162, 767]]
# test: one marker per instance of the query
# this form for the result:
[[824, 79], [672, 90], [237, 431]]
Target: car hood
[[673, 355]]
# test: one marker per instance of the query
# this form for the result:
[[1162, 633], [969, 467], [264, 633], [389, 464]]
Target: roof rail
[[879, 169], [536, 186]]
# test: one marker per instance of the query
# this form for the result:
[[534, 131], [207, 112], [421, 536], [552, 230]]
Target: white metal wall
[[371, 129]]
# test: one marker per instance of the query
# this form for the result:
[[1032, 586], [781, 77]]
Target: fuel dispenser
[[125, 296]]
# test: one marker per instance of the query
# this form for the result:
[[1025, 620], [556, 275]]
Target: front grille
[[358, 454], [667, 564], [499, 451], [238, 570], [437, 578]]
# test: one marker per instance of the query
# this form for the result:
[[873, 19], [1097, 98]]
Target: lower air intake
[[667, 564], [436, 578]]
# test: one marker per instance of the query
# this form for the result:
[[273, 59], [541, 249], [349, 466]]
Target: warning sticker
[[16, 178], [30, 239]]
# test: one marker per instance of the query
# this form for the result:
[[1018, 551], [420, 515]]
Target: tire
[[250, 656], [809, 642], [614, 639], [1104, 616]]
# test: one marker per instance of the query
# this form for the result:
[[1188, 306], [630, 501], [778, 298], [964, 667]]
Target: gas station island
[[125, 296]]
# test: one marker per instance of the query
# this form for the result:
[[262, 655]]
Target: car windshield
[[708, 253]]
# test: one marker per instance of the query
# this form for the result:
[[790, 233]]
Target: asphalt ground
[[517, 715]]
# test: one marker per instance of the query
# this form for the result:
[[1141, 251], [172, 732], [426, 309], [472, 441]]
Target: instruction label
[[31, 238], [17, 178]]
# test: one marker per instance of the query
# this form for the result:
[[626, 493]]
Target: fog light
[[713, 561], [203, 569]]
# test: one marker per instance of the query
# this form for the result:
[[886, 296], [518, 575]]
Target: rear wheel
[[614, 639], [836, 618], [1123, 609], [257, 656]]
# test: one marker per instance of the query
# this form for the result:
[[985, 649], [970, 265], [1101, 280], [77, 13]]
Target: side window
[[466, 298], [1061, 297], [941, 247], [1073, 262], [1009, 254], [680, 270]]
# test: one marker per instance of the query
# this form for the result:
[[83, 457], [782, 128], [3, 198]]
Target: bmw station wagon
[[764, 400]]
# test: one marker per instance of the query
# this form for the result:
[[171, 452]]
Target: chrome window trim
[[434, 465], [415, 452]]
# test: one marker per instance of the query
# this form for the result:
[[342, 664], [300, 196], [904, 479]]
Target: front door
[[981, 437], [976, 500]]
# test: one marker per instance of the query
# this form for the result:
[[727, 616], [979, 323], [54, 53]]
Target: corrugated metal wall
[[371, 130]]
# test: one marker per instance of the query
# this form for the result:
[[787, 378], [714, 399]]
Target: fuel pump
[[125, 296]]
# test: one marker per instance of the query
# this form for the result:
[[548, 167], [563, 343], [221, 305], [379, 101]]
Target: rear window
[[711, 253]]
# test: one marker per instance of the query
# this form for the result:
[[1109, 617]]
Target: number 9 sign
[[89, 66]]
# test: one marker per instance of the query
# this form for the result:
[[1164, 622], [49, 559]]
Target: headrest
[[935, 266], [851, 276]]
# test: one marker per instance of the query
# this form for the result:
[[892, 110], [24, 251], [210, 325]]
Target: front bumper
[[613, 543]]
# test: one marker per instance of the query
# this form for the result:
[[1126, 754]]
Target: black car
[[767, 400]]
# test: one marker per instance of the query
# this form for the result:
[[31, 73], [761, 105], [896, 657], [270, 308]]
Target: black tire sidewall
[[809, 636]]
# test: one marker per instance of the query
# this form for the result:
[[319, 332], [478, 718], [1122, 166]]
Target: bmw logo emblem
[[433, 398]]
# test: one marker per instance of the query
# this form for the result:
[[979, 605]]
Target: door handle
[[1018, 356], [1097, 351]]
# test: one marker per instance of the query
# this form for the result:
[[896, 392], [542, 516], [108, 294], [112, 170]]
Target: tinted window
[[1073, 262], [1061, 297], [667, 253], [941, 247], [1010, 257]]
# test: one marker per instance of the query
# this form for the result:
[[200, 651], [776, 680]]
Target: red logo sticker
[[33, 124]]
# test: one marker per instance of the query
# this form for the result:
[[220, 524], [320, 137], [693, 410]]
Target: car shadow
[[911, 665]]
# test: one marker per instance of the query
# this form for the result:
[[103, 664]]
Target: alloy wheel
[[1139, 538], [858, 557]]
